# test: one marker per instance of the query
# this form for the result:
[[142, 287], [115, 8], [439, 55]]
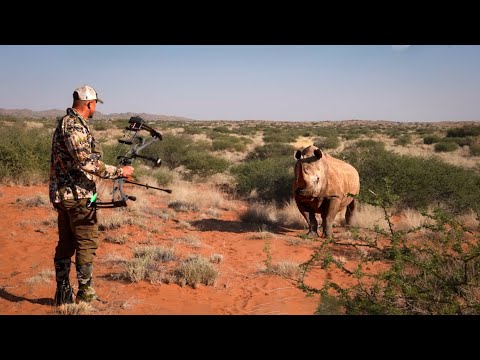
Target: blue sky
[[250, 82]]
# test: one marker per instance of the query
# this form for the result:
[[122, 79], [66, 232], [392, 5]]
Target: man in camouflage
[[75, 162]]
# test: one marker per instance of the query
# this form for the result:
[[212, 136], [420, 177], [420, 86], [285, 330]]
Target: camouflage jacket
[[75, 162]]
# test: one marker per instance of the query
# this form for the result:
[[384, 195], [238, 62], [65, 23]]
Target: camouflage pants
[[77, 231]]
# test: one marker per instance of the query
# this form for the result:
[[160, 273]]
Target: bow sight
[[119, 198]]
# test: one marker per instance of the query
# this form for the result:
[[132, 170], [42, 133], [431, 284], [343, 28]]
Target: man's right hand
[[127, 171]]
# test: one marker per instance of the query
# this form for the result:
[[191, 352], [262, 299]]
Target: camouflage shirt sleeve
[[78, 141]]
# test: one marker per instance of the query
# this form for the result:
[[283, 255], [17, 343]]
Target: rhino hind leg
[[350, 212]]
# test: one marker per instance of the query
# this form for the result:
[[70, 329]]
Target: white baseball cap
[[86, 93]]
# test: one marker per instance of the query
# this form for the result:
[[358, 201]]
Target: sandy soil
[[28, 238]]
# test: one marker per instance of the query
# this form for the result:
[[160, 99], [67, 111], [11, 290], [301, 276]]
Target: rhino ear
[[318, 153], [298, 154]]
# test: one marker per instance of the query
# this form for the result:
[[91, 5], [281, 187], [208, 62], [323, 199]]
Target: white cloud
[[400, 47]]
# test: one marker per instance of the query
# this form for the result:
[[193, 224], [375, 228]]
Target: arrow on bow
[[119, 198]]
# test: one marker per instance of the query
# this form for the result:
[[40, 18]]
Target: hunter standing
[[75, 162]]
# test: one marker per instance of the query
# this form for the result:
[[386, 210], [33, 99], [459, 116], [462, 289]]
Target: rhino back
[[342, 178]]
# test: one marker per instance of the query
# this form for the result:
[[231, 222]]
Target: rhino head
[[310, 172]]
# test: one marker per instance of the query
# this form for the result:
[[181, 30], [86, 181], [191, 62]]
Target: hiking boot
[[64, 292], [86, 293], [63, 295]]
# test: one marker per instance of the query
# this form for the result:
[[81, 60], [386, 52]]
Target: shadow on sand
[[235, 226], [14, 298]]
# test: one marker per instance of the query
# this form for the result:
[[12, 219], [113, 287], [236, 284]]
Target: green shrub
[[431, 139], [226, 142], [438, 276], [222, 129], [271, 178], [100, 125], [369, 145], [418, 181], [464, 131], [204, 164], [119, 123], [351, 136], [246, 130], [278, 136], [331, 142], [460, 141], [271, 150], [326, 132], [175, 149], [24, 153], [192, 130], [445, 146], [394, 132], [403, 140], [475, 149]]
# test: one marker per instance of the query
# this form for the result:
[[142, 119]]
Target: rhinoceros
[[322, 184]]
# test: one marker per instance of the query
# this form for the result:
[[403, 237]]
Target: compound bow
[[119, 198]]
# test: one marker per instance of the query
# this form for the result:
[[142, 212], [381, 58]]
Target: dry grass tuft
[[189, 240], [51, 220], [116, 217], [216, 258], [469, 220], [156, 253], [287, 269], [369, 216], [194, 200], [410, 219], [147, 264], [35, 201], [262, 235], [196, 270], [290, 217], [81, 308], [45, 276], [119, 239], [259, 214], [114, 259]]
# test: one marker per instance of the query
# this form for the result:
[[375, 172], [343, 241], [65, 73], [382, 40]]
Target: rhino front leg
[[310, 219], [312, 225], [329, 211]]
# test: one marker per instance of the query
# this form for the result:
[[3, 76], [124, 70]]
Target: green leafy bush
[[403, 140], [435, 276], [431, 139], [464, 131], [226, 142], [418, 181], [204, 164], [331, 142], [271, 150], [271, 178], [24, 153], [445, 146], [475, 149]]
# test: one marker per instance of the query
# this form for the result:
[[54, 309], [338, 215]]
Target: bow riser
[[119, 198]]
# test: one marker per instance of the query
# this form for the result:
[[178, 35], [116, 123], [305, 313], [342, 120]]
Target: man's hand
[[127, 171]]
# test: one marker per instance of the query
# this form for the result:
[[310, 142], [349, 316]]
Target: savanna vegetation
[[431, 266]]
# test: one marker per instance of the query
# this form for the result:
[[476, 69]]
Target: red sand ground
[[27, 247]]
